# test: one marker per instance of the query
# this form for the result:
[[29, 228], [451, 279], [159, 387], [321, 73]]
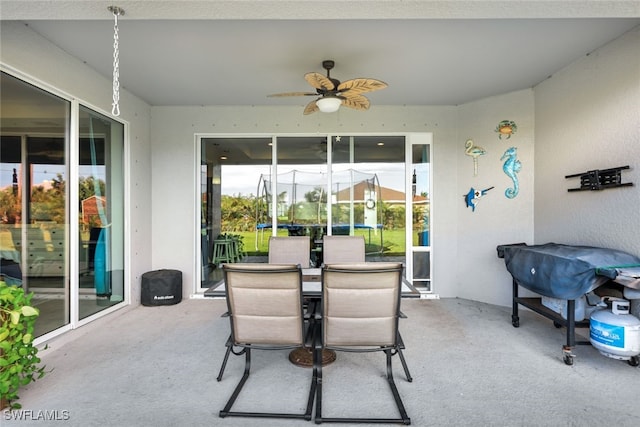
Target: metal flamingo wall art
[[475, 152], [511, 167]]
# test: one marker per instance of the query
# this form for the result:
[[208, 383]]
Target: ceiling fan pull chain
[[115, 106]]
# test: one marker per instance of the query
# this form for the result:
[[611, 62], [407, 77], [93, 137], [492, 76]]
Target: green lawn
[[392, 241]]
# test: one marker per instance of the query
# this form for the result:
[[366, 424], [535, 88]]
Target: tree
[[238, 213], [87, 187], [49, 204], [10, 207]]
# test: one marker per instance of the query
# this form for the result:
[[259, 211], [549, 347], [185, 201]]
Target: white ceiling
[[237, 52]]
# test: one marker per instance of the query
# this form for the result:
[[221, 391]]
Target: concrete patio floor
[[157, 366]]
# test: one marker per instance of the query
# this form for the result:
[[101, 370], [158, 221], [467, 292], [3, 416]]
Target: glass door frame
[[413, 139], [417, 138], [72, 150], [75, 211]]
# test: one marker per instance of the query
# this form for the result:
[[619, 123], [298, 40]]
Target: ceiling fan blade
[[311, 108], [357, 102], [319, 81], [276, 95], [358, 86]]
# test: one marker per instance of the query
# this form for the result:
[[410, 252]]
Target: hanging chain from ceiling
[[115, 106]]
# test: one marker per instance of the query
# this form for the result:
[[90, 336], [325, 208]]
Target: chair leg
[[224, 361], [402, 359], [310, 311], [396, 395], [236, 392], [404, 417], [247, 367], [317, 366], [404, 366], [314, 385]]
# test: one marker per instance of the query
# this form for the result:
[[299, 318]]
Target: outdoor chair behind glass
[[290, 250], [340, 249]]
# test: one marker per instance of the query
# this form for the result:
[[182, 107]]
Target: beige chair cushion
[[290, 250], [360, 306], [265, 303], [343, 249]]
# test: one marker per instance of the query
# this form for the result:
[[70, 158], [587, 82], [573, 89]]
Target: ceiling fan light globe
[[329, 104]]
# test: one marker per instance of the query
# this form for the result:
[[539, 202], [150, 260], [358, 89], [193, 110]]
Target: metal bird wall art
[[474, 151]]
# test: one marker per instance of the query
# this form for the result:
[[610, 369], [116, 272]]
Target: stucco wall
[[34, 57], [497, 219], [464, 261], [174, 171], [587, 118]]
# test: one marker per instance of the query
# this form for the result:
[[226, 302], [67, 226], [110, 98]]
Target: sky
[[42, 173], [246, 179]]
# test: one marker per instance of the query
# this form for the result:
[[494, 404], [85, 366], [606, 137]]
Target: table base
[[303, 356]]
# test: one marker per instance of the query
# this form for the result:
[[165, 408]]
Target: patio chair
[[264, 303], [290, 250], [295, 250], [340, 249], [282, 250], [360, 309]]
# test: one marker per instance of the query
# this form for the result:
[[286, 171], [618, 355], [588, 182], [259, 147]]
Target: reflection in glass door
[[302, 186], [37, 213], [252, 187], [101, 219], [33, 198], [233, 217], [367, 179], [419, 224]]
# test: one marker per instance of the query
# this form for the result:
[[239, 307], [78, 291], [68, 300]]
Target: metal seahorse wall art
[[511, 167]]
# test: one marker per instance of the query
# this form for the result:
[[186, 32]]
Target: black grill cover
[[161, 287], [563, 271]]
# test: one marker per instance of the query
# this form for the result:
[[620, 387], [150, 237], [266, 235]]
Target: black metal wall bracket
[[600, 179]]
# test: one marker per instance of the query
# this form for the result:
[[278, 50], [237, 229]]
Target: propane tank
[[615, 332], [633, 295]]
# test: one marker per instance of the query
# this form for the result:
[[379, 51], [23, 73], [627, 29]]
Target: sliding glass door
[[101, 220], [46, 195], [34, 194], [252, 187]]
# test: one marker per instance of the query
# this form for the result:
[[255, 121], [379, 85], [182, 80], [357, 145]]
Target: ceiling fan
[[332, 93]]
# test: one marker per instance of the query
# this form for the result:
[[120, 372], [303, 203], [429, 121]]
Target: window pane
[[33, 198], [368, 192], [420, 189], [101, 220], [421, 215], [422, 270], [241, 196], [302, 189], [233, 201]]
